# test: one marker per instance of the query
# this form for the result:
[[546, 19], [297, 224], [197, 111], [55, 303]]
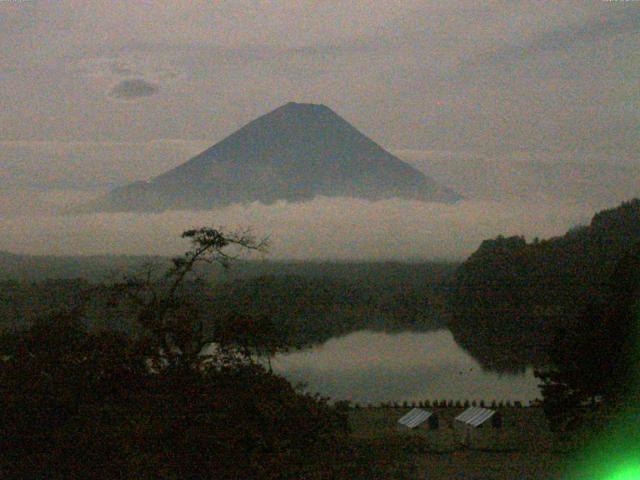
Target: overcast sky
[[96, 94], [413, 74]]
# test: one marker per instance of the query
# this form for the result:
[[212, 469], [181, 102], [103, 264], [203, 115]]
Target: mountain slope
[[293, 153]]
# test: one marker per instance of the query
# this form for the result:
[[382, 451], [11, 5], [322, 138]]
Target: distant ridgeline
[[509, 298], [94, 268]]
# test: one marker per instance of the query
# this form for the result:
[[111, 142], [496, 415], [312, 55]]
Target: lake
[[373, 367]]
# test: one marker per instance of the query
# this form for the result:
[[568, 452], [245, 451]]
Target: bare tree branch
[[179, 336]]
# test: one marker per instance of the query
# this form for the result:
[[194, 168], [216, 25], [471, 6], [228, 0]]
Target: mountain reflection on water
[[373, 367]]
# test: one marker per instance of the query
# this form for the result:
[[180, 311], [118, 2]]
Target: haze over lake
[[373, 367]]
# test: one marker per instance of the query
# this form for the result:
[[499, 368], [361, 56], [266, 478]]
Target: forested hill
[[308, 302], [101, 268], [510, 296], [95, 268]]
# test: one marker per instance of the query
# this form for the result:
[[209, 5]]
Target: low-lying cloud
[[325, 228]]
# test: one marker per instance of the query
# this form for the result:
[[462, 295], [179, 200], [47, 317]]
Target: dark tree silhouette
[[162, 308], [511, 292], [596, 357], [77, 403]]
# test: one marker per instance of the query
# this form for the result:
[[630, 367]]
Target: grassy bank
[[522, 449]]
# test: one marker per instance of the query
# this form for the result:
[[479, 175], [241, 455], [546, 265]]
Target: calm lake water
[[373, 367]]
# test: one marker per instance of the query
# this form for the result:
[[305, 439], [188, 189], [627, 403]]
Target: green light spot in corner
[[626, 473]]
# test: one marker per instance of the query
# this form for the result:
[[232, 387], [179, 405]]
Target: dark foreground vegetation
[[510, 292], [84, 405], [119, 378]]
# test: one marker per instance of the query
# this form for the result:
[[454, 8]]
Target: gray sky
[[536, 98], [412, 74]]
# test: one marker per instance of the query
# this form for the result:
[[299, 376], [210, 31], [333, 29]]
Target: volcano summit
[[294, 153]]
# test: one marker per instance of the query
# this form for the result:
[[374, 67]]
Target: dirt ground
[[478, 465], [522, 449]]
